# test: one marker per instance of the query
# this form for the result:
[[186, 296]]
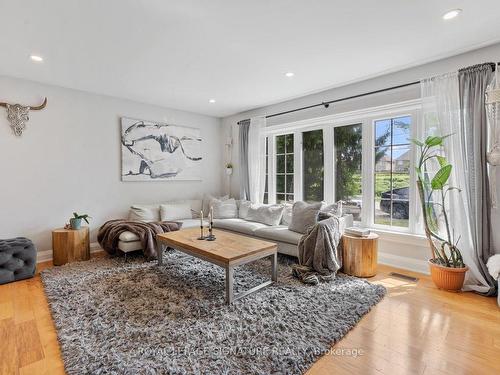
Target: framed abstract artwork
[[155, 151]]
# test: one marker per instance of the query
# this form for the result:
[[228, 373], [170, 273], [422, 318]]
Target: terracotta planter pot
[[451, 279]]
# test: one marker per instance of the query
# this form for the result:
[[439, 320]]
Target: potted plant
[[446, 265], [229, 169], [76, 221]]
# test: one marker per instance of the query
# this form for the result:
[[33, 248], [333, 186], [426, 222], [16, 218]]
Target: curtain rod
[[327, 104]]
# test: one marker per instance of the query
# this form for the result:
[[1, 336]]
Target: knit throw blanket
[[109, 234], [319, 255]]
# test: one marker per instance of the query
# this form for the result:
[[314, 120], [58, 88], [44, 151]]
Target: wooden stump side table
[[70, 245], [359, 255]]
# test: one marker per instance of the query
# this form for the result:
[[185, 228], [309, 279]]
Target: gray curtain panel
[[472, 86], [243, 143]]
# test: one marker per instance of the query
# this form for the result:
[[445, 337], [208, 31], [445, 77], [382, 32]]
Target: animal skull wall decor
[[18, 115]]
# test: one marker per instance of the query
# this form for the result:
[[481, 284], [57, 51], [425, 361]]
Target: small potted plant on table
[[76, 221], [446, 265]]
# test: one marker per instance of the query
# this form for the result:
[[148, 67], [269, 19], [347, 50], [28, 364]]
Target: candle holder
[[210, 236], [202, 237]]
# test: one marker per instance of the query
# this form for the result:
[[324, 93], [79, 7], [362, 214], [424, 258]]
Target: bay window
[[364, 159]]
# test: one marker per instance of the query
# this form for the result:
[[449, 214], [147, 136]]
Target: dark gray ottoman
[[17, 259]]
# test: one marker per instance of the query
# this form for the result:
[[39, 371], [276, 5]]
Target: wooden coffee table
[[227, 251]]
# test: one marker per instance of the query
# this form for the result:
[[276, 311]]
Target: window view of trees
[[284, 168], [313, 165], [348, 156], [392, 171]]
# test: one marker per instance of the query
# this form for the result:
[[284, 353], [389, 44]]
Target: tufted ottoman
[[17, 259]]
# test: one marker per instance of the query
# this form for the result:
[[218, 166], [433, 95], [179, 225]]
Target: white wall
[[69, 159], [492, 53]]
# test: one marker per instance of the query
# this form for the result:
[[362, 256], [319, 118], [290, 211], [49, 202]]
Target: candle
[[201, 218], [210, 221]]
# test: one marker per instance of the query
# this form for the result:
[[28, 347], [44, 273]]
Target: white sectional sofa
[[286, 239]]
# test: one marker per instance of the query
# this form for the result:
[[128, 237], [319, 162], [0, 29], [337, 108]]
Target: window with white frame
[[392, 149], [312, 166], [284, 168], [266, 186], [347, 141], [364, 160]]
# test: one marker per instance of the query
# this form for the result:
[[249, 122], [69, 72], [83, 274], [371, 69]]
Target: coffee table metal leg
[[161, 247], [229, 284], [274, 267]]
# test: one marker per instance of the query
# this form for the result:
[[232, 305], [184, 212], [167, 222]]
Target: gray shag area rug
[[114, 317]]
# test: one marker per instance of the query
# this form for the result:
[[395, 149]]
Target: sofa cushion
[[243, 207], [144, 212], [129, 246], [175, 211], [191, 223], [304, 216], [128, 237], [238, 225], [224, 209], [279, 233], [265, 214]]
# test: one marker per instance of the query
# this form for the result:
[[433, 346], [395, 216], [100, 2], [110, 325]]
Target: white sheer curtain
[[441, 116], [256, 159]]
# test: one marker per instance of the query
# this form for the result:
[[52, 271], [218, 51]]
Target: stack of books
[[358, 232]]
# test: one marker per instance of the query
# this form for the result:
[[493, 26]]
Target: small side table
[[70, 245], [359, 255]]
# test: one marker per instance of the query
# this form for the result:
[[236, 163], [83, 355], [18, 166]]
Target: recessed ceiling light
[[290, 74], [211, 101], [451, 14], [36, 58]]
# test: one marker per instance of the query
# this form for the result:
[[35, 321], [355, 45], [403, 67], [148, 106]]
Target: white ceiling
[[181, 53]]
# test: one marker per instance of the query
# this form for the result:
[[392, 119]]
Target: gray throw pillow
[[304, 216], [265, 214]]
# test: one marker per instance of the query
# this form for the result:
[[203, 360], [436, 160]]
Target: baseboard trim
[[410, 264], [46, 255]]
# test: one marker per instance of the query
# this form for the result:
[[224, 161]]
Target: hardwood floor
[[416, 329]]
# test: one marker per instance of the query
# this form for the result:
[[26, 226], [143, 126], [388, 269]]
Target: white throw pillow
[[207, 199], [224, 209], [243, 209], [144, 212], [175, 211], [265, 214]]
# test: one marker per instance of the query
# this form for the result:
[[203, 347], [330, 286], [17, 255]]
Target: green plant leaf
[[432, 141], [416, 142], [442, 160], [75, 215], [441, 177]]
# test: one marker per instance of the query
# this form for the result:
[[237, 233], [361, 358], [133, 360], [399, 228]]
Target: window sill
[[401, 237]]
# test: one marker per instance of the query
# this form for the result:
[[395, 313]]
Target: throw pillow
[[224, 209], [175, 211], [304, 216], [334, 209], [265, 214], [207, 198], [243, 209], [144, 212], [286, 219]]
